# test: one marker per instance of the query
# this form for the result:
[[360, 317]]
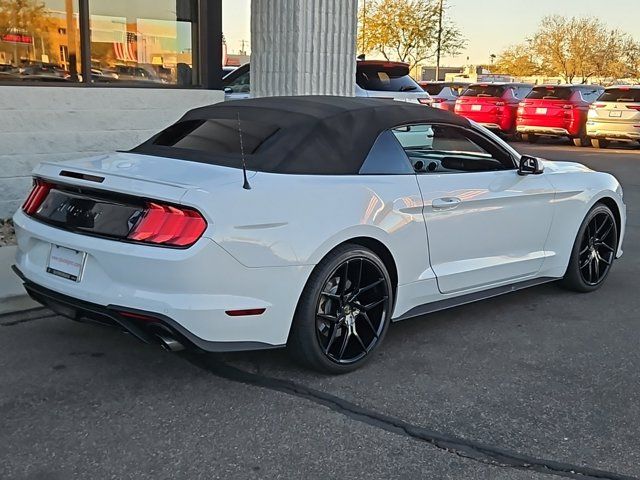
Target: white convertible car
[[351, 213]]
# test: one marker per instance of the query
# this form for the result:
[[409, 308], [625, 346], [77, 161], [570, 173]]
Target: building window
[[146, 41], [39, 41], [156, 43]]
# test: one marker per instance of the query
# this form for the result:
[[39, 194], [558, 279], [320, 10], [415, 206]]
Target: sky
[[489, 25], [492, 25]]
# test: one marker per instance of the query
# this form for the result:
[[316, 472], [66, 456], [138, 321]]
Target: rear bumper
[[613, 130], [146, 330], [504, 122], [541, 130], [189, 289]]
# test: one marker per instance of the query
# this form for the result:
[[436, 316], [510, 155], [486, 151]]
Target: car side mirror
[[530, 166]]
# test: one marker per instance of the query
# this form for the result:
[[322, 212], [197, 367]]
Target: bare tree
[[573, 48], [406, 30]]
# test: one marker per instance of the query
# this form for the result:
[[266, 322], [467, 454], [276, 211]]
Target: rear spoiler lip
[[46, 169]]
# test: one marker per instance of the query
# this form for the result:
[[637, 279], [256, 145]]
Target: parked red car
[[557, 111], [493, 105]]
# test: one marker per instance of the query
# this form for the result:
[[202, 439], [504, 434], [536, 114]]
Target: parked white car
[[351, 213], [374, 78], [615, 116]]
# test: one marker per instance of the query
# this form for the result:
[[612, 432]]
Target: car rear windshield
[[433, 89], [219, 136], [550, 93], [381, 78], [624, 95], [484, 91]]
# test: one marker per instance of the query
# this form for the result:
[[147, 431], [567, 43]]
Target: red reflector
[[246, 312], [169, 225], [36, 197], [138, 316]]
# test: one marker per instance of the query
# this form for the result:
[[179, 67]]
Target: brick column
[[303, 47]]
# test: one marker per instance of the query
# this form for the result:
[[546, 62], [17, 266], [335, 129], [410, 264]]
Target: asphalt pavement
[[530, 385]]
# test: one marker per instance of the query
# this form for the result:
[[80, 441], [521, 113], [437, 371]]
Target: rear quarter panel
[[289, 220]]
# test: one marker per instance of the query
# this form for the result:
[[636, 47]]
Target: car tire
[[530, 138], [599, 143], [344, 311], [594, 251], [581, 141]]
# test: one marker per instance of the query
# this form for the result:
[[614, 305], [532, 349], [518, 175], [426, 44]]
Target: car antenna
[[246, 185]]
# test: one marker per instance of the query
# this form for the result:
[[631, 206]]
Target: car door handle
[[446, 203]]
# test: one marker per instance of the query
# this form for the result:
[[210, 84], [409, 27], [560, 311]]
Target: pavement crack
[[464, 448], [13, 323]]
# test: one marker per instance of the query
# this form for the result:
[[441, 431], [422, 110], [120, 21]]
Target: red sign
[[17, 38]]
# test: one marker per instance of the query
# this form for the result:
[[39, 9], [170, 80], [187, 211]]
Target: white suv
[[374, 78], [615, 116]]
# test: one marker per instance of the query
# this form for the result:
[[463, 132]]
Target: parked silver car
[[444, 94], [615, 116]]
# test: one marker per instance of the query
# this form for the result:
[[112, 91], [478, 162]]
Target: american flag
[[127, 51]]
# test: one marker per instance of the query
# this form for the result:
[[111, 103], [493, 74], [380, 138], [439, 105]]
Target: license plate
[[541, 111], [66, 263], [476, 108], [615, 114]]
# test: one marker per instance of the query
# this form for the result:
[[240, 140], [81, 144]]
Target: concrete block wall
[[303, 47], [58, 123]]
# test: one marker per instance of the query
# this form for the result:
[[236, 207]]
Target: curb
[[13, 298]]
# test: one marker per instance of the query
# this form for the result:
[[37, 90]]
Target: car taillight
[[36, 197], [168, 225], [427, 101], [634, 107], [595, 106]]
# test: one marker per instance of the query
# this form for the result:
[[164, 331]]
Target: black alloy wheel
[[343, 312], [351, 311], [594, 250], [598, 248]]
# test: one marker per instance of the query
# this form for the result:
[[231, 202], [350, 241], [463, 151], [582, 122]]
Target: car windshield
[[484, 91], [623, 95], [378, 77], [550, 93]]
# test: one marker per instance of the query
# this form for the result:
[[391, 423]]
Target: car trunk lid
[[126, 173]]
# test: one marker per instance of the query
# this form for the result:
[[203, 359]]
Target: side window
[[242, 84], [436, 149], [591, 95], [386, 157], [522, 92]]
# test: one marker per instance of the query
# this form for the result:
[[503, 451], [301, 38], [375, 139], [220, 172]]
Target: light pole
[[438, 52]]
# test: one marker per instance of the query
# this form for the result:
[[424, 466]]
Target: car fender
[[578, 189]]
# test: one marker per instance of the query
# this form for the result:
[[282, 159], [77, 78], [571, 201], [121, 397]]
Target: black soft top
[[318, 135]]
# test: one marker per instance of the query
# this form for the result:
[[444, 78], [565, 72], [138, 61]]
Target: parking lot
[[529, 385]]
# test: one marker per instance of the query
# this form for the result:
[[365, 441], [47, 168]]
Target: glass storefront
[[149, 41], [139, 43], [39, 40]]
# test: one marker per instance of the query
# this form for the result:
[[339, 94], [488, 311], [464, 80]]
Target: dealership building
[[84, 77]]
